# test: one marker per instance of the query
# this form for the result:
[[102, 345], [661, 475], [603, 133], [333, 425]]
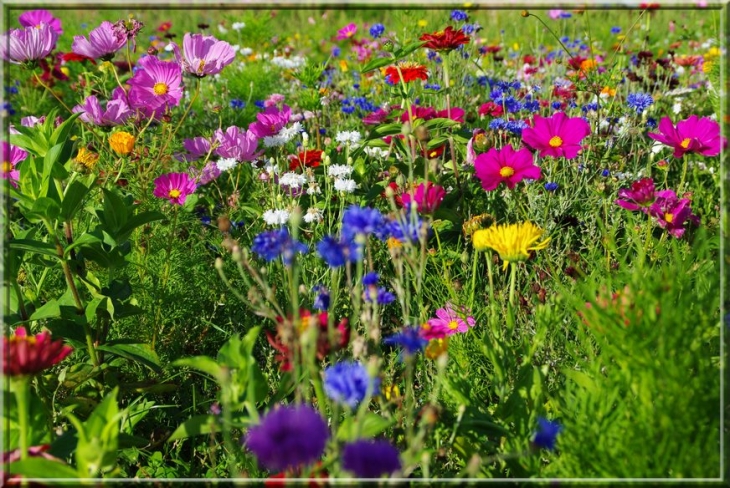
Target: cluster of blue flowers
[[278, 243], [237, 103], [639, 101], [375, 293], [469, 29], [337, 253], [409, 340], [347, 383], [512, 126], [459, 16], [430, 86], [377, 30], [349, 105], [588, 107]]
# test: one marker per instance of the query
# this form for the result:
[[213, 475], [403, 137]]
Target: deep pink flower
[[557, 135], [270, 121], [103, 42], [175, 187], [456, 114], [346, 32], [29, 355], [34, 18], [12, 155], [203, 55], [694, 135], [236, 144], [639, 197], [274, 99], [28, 44], [428, 197], [196, 147], [491, 108], [377, 117], [117, 110], [449, 322], [505, 165], [155, 86], [417, 112], [671, 212]]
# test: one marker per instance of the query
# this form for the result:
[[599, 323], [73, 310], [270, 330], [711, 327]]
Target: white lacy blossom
[[339, 170], [246, 51], [285, 135], [345, 185], [293, 180], [276, 217], [288, 63], [237, 26], [226, 164], [313, 188], [376, 152], [313, 215], [348, 137]]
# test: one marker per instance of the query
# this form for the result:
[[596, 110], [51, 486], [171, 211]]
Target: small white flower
[[345, 185], [169, 47], [226, 164], [339, 170], [292, 180], [376, 152], [237, 26], [677, 107], [657, 147], [271, 168], [313, 188], [313, 215], [288, 63], [246, 51], [222, 29], [236, 48], [276, 217], [348, 137]]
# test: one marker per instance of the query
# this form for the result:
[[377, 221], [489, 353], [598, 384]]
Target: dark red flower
[[164, 27], [445, 40], [410, 71], [491, 108], [29, 355], [66, 57], [308, 159]]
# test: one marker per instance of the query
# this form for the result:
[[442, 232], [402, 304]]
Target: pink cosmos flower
[[196, 147], [103, 42], [236, 144], [29, 355], [155, 86], [34, 18], [640, 197], [693, 135], [428, 197], [29, 44], [203, 55], [671, 213], [505, 165], [117, 110], [273, 100], [377, 117], [270, 121], [450, 322], [346, 32], [557, 135], [12, 155], [175, 187]]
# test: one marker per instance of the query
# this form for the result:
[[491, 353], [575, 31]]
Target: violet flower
[[34, 18], [30, 44], [103, 42], [671, 213], [203, 55], [236, 144], [270, 121]]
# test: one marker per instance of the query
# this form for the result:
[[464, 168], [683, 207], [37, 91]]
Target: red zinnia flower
[[29, 355], [445, 40], [308, 159], [410, 71]]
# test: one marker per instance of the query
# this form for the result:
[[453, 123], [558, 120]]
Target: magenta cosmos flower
[[694, 135], [29, 355], [236, 144], [346, 32], [556, 136], [29, 44], [12, 155], [428, 197], [640, 197], [203, 55], [34, 18], [671, 212], [505, 165], [449, 322], [175, 187], [155, 86], [103, 42], [270, 121]]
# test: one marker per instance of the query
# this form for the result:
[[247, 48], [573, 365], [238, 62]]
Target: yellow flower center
[[174, 193], [7, 167], [453, 325], [201, 65], [685, 142], [668, 217], [506, 172], [555, 141], [160, 88]]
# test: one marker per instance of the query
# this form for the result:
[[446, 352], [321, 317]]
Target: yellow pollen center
[[506, 172], [555, 141], [685, 142], [160, 89], [453, 325], [174, 193], [7, 167], [668, 217]]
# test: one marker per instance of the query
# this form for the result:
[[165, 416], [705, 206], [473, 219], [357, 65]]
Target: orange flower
[[409, 70], [445, 40]]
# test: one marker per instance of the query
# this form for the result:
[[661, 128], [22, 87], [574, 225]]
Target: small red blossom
[[307, 159], [445, 40], [29, 355], [410, 72]]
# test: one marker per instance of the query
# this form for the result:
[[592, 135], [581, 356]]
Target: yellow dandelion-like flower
[[422, 23], [122, 143], [707, 66], [513, 242], [437, 347], [87, 158], [394, 243]]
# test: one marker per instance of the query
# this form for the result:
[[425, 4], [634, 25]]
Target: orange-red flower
[[309, 159], [445, 40], [410, 71]]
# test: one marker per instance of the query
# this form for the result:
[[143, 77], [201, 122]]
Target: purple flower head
[[103, 42], [322, 302], [556, 136], [175, 187], [370, 458], [34, 18], [29, 44], [357, 220], [408, 227], [671, 212], [337, 253], [409, 339], [90, 111], [128, 30], [203, 55], [288, 437], [546, 434], [370, 279], [196, 147], [12, 155], [505, 165], [270, 121], [639, 197], [693, 135], [347, 383], [32, 121], [117, 110], [274, 243], [379, 295], [209, 173], [156, 85], [377, 117], [236, 144]]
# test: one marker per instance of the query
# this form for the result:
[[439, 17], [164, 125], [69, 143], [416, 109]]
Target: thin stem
[[22, 398], [513, 279]]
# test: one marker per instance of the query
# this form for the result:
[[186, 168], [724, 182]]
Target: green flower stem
[[473, 277], [513, 279], [184, 116], [22, 397]]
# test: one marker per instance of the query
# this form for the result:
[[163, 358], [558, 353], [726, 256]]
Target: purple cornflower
[[322, 302], [370, 458], [347, 383], [203, 55], [379, 295], [361, 220], [546, 434], [156, 85], [197, 147], [288, 437], [409, 339], [103, 42], [30, 44], [671, 212], [270, 121], [235, 143], [459, 16], [337, 253], [370, 279], [405, 228], [34, 18], [274, 243]]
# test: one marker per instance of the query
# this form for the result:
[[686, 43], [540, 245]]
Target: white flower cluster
[[313, 215], [345, 185], [293, 180], [276, 217], [339, 170], [226, 164], [348, 137], [376, 152], [289, 63], [285, 135]]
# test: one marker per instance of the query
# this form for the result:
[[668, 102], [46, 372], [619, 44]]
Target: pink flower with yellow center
[[25, 354], [175, 187], [693, 135], [505, 165], [156, 86], [556, 136], [12, 155], [449, 322]]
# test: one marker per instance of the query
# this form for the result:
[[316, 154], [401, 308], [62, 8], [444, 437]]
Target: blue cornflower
[[482, 80], [347, 383], [367, 458], [615, 30], [546, 433], [516, 126], [431, 55], [274, 243], [237, 103], [336, 51], [531, 105], [11, 90], [8, 109], [322, 131], [471, 28], [259, 103], [408, 339], [552, 186], [379, 295], [322, 301], [511, 104], [639, 101], [407, 230], [377, 30], [361, 220], [565, 15], [565, 39], [370, 279], [336, 253], [605, 173], [589, 106], [356, 86], [347, 109], [556, 105], [651, 123], [498, 124], [237, 224], [459, 16], [205, 219], [434, 86]]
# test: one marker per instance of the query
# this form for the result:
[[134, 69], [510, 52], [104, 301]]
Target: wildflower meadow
[[324, 245]]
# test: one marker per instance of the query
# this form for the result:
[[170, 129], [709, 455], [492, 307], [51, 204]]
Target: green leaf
[[376, 63], [408, 49], [137, 221], [440, 123], [34, 246], [47, 208], [388, 129], [61, 133], [72, 200], [135, 351], [197, 425], [370, 426], [204, 364], [39, 467], [115, 211], [50, 310]]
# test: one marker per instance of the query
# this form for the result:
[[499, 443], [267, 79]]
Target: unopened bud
[[388, 46]]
